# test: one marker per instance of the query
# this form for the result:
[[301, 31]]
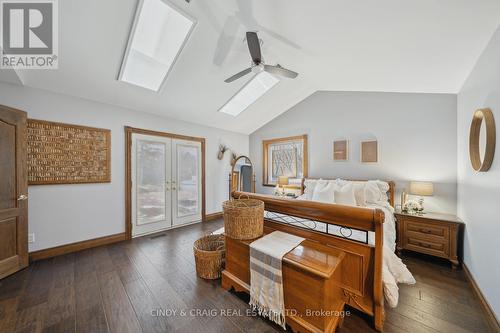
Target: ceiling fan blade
[[254, 47], [238, 75], [278, 70]]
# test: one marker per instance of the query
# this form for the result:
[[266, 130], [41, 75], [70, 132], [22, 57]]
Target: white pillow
[[345, 195], [383, 187], [324, 193], [359, 193], [372, 192], [309, 185], [341, 182], [320, 183]]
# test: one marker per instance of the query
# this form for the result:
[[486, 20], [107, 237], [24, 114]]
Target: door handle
[[22, 197], [173, 188]]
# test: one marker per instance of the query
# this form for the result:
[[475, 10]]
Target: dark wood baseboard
[[75, 247], [213, 216], [490, 315]]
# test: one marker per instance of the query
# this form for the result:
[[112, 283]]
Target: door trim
[[128, 171]]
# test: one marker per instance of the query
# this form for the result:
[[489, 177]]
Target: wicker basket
[[243, 218], [209, 252]]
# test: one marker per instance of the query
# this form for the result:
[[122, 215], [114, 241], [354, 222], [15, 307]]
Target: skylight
[[157, 37], [252, 91]]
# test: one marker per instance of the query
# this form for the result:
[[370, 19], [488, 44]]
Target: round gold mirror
[[242, 177], [482, 140]]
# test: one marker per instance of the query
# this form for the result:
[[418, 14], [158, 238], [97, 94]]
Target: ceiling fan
[[258, 64]]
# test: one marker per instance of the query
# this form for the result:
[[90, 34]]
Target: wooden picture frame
[[267, 146], [369, 151], [341, 150], [60, 153]]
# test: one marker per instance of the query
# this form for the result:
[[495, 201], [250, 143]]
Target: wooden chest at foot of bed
[[311, 272]]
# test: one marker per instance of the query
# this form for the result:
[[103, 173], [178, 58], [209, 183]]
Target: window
[[157, 37], [284, 157], [252, 91]]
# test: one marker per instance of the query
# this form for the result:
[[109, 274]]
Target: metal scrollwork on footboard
[[327, 228]]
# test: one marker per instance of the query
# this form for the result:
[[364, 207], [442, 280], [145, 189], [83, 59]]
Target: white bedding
[[394, 271], [373, 194]]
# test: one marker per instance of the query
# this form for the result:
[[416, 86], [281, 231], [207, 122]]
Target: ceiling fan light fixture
[[258, 68], [249, 93]]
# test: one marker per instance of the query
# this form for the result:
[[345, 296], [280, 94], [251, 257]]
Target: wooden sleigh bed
[[355, 264]]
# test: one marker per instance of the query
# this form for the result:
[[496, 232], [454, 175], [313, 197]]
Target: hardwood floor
[[124, 287]]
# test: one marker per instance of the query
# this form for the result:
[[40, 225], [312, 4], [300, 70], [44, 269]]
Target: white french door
[[166, 183], [186, 181]]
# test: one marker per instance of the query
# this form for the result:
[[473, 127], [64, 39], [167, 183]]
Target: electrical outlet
[[31, 237]]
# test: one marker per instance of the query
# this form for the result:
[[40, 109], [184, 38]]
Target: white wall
[[479, 192], [62, 214], [416, 134]]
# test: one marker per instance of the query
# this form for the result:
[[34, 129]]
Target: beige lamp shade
[[282, 180], [422, 188]]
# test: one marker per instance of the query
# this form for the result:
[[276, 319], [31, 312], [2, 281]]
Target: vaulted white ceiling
[[348, 45]]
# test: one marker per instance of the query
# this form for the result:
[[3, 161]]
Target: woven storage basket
[[243, 218], [209, 252]]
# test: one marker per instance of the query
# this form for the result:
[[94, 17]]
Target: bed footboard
[[354, 230]]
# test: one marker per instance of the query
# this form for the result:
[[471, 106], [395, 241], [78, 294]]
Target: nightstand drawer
[[421, 228], [437, 248]]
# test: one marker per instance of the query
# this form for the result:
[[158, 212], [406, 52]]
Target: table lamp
[[282, 181], [421, 189]]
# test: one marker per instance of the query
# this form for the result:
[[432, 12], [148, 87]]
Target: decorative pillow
[[309, 185], [383, 187], [359, 193], [341, 182], [376, 191], [324, 193], [320, 183], [372, 192], [345, 195]]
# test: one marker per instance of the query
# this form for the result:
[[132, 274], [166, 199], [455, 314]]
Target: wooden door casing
[[13, 191]]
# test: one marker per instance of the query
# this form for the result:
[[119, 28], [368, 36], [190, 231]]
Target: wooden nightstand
[[431, 233]]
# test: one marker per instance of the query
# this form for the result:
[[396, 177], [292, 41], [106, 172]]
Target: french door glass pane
[[187, 177], [150, 181]]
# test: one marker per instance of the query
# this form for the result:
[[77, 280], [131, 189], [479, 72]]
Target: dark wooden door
[[13, 191]]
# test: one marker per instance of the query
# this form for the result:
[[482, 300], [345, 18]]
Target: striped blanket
[[266, 281]]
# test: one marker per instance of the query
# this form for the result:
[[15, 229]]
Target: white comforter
[[393, 269]]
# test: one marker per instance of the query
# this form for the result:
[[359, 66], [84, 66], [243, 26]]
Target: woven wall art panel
[[67, 154]]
